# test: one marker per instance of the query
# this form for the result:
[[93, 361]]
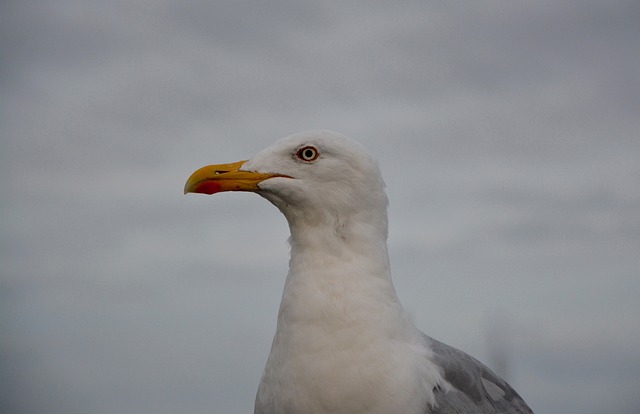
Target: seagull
[[343, 343]]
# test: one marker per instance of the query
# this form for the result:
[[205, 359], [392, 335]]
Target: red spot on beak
[[208, 187]]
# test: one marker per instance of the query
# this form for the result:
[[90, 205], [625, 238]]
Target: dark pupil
[[308, 153]]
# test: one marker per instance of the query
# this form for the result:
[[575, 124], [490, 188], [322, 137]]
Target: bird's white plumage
[[344, 343]]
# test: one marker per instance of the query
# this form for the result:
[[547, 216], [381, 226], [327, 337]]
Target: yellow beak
[[225, 177]]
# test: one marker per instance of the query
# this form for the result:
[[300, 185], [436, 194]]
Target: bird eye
[[308, 154]]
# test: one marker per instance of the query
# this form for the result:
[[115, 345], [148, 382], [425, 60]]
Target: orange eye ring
[[308, 153]]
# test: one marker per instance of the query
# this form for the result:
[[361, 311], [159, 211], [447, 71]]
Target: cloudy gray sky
[[508, 134]]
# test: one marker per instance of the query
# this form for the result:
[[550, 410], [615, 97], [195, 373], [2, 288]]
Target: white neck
[[331, 268], [343, 341]]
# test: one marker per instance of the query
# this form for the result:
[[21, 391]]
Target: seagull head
[[312, 177]]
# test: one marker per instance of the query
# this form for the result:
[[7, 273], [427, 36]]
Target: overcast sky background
[[508, 134]]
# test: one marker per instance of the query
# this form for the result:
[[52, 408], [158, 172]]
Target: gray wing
[[476, 389]]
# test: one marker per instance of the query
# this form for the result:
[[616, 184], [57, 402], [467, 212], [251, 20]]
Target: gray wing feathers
[[476, 389]]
